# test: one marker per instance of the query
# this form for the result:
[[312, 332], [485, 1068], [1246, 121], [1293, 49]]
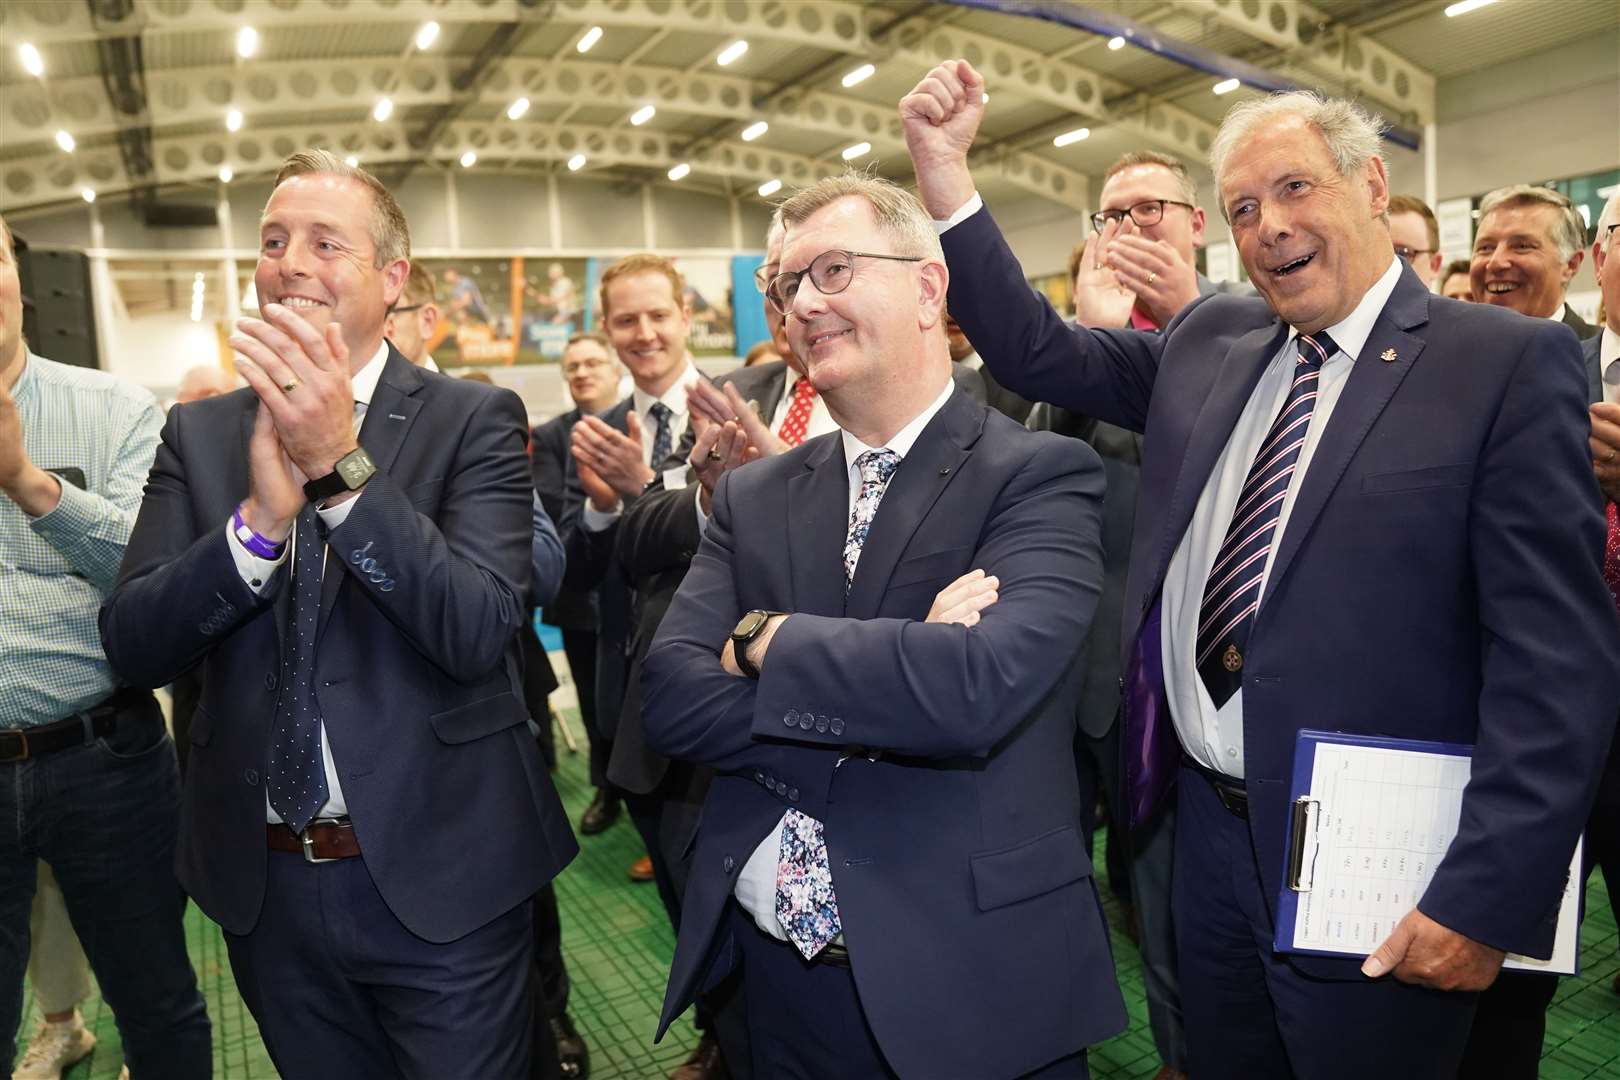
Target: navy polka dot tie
[[297, 775]]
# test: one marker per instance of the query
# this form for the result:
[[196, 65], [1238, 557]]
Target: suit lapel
[[923, 475], [389, 419], [1230, 391], [817, 519], [1371, 383]]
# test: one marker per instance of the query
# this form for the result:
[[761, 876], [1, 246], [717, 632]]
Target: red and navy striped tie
[[1232, 593]]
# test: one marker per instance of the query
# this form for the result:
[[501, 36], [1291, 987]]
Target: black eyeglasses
[[1608, 234], [831, 272], [1411, 253], [1143, 213], [407, 307]]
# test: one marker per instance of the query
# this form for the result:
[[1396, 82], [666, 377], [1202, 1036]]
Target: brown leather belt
[[97, 722], [326, 840]]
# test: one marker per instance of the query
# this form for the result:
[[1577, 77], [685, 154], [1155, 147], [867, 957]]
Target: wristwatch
[[351, 470], [749, 627]]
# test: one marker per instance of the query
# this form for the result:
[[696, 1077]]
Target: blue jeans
[[104, 817]]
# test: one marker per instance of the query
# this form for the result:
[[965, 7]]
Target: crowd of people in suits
[[869, 635]]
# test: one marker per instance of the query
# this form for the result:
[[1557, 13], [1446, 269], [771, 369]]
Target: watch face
[[355, 467], [749, 624]]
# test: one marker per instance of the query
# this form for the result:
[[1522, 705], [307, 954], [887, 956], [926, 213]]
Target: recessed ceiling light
[[426, 35], [592, 36], [469, 159], [859, 75], [382, 110], [1116, 43], [755, 130], [731, 52], [1226, 86], [576, 163], [87, 194], [247, 42], [515, 110], [65, 141], [32, 61], [769, 188], [1068, 138], [1463, 7], [233, 120], [858, 150], [642, 115], [352, 161], [226, 175], [680, 171]]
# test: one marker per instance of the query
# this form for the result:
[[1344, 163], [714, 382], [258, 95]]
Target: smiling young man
[[1527, 250], [344, 549], [1406, 482], [873, 649]]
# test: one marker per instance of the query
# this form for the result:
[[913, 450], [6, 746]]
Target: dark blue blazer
[[1590, 350], [1440, 576], [417, 667], [939, 758]]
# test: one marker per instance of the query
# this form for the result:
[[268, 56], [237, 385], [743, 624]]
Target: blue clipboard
[[1298, 876]]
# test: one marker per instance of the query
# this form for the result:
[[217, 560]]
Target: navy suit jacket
[[572, 608], [1440, 575], [939, 758], [418, 673], [1591, 350]]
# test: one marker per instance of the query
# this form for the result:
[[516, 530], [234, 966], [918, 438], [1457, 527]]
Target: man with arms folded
[[896, 808], [1423, 522], [345, 547]]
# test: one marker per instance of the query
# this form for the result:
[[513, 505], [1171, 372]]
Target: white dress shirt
[[1609, 365], [756, 885], [674, 399], [1214, 737], [256, 572]]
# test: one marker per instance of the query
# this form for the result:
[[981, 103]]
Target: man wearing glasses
[[412, 321], [1140, 268], [895, 803], [1416, 235]]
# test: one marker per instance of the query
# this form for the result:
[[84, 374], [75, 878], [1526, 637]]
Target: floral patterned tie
[[806, 905]]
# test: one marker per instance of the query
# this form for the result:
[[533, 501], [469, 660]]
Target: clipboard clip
[[1302, 844]]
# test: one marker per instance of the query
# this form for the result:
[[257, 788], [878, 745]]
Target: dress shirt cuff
[[697, 504], [333, 516], [963, 212], [255, 572], [600, 520], [73, 517]]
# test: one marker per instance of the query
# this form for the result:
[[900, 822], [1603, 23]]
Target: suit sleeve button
[[821, 724], [781, 788], [836, 725], [793, 794], [791, 717], [759, 777], [806, 721]]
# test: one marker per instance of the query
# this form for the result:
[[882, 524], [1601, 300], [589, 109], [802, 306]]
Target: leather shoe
[[704, 1064], [600, 815], [642, 869], [573, 1056]]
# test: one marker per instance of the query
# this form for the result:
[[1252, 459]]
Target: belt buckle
[[308, 844], [22, 741]]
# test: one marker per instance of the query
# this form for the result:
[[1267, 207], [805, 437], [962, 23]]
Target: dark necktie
[[297, 775], [663, 441], [1232, 592]]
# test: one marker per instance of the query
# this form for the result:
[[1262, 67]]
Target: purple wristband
[[261, 546]]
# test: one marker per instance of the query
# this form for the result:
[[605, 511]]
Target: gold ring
[[290, 385], [1152, 276], [715, 455], [1613, 453]]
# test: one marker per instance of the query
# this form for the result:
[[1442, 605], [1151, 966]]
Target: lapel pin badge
[[395, 416], [1387, 356]]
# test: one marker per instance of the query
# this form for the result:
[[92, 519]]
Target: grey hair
[[390, 232], [1610, 215], [1353, 135], [898, 213], [1568, 231]]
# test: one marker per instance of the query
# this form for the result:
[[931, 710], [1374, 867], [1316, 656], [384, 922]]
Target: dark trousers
[[1249, 1014], [580, 648], [548, 983], [805, 1020], [104, 817], [340, 988]]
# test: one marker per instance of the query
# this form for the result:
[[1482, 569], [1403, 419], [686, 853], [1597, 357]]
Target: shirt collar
[[1608, 353], [1352, 332], [904, 438], [365, 380], [674, 398], [1558, 313], [25, 381]]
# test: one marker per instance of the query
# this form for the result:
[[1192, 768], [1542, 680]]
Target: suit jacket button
[[791, 717], [729, 864], [270, 681], [251, 777], [836, 726]]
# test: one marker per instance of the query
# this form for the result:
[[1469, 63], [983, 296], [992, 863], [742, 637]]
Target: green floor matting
[[618, 946]]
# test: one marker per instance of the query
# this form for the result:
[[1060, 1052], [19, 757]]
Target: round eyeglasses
[[830, 272]]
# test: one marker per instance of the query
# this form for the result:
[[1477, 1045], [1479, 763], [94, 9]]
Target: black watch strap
[[353, 469]]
